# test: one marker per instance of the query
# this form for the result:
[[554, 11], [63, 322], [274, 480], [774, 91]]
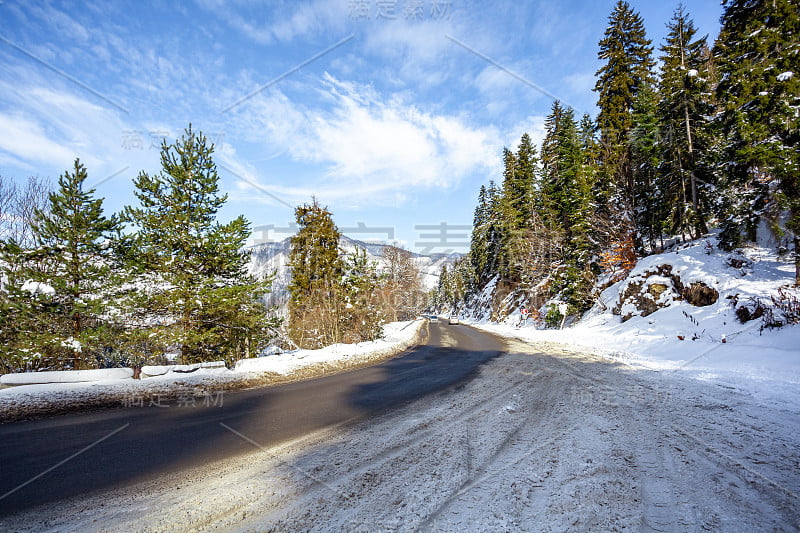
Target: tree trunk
[[797, 260], [693, 178], [77, 356]]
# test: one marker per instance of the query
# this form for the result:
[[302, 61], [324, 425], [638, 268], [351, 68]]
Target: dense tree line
[[81, 289], [344, 297], [708, 139], [164, 278]]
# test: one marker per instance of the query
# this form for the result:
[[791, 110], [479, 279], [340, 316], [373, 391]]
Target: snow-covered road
[[543, 439]]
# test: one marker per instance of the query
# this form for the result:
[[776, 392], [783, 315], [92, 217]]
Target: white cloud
[[371, 147], [533, 126], [45, 130], [494, 81], [26, 140], [413, 54], [61, 22]]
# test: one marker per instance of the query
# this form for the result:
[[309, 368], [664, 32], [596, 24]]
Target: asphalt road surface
[[45, 461]]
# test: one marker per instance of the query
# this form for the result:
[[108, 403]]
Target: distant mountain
[[273, 257]]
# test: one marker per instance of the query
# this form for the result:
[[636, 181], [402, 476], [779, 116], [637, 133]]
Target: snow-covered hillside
[[270, 257], [683, 311]]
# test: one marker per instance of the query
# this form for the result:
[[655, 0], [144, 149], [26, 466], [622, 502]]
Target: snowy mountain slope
[[683, 310], [270, 257]]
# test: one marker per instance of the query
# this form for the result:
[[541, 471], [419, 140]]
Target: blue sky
[[392, 113]]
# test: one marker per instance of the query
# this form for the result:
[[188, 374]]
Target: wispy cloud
[[46, 129], [283, 23], [26, 140], [372, 144]]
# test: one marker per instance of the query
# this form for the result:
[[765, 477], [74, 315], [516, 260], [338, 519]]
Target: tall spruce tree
[[566, 187], [518, 197], [363, 313], [562, 163], [590, 148], [194, 268], [494, 234], [479, 241], [316, 291], [549, 186], [758, 56], [683, 107], [648, 192], [627, 55]]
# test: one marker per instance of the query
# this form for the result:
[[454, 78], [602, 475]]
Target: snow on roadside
[[187, 382], [286, 363], [76, 376], [706, 343], [554, 441]]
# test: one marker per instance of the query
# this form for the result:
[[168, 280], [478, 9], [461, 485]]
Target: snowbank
[[160, 370], [47, 393], [705, 342], [71, 376], [395, 334]]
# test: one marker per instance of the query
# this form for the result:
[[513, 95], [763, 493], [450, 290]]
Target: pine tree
[[516, 202], [562, 163], [648, 192], [483, 225], [56, 293], [549, 186], [684, 104], [627, 55], [757, 55], [75, 237], [198, 289], [316, 293], [478, 240], [440, 296], [494, 235], [363, 313], [566, 190], [592, 193], [454, 284], [31, 339], [526, 170]]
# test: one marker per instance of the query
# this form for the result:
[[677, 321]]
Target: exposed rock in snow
[[646, 293], [699, 294]]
